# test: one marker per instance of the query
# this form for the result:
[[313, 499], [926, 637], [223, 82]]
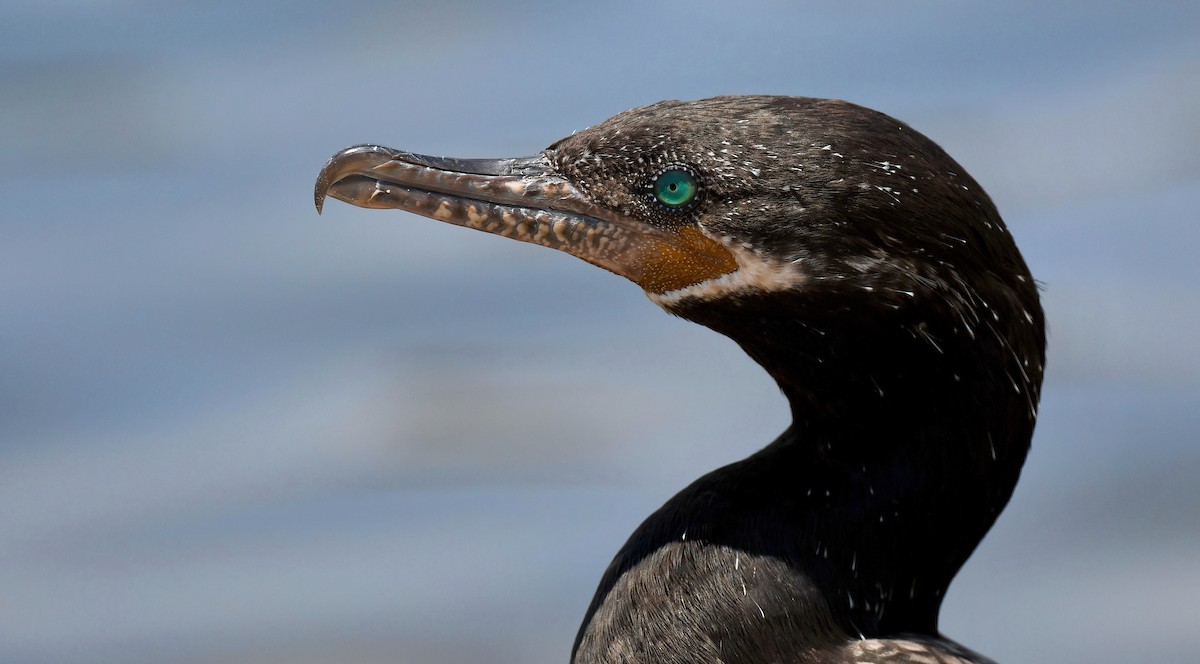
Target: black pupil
[[673, 186]]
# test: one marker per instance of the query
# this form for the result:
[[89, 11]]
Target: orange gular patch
[[680, 259]]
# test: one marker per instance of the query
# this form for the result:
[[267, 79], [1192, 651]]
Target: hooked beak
[[525, 200]]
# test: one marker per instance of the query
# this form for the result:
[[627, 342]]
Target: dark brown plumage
[[871, 277]]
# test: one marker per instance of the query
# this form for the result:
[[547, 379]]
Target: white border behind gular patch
[[756, 273]]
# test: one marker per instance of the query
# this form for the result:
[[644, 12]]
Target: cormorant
[[874, 280]]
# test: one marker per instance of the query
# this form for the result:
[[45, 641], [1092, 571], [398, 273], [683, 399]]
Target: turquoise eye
[[675, 188]]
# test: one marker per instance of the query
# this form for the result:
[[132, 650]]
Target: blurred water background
[[234, 431]]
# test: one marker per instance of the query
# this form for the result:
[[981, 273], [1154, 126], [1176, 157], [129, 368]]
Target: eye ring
[[675, 188]]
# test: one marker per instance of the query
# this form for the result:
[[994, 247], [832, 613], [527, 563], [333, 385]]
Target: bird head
[[749, 208]]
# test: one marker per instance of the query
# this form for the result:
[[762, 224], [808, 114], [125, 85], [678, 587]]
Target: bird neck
[[906, 443]]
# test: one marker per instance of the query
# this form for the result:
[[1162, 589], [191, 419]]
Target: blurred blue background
[[234, 431]]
